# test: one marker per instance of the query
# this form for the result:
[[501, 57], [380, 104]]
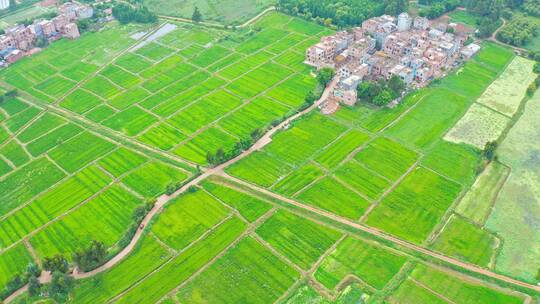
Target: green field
[[465, 240], [372, 264], [300, 240], [416, 206], [517, 203]]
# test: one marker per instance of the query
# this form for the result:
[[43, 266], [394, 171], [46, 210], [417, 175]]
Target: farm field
[[104, 134], [435, 286], [516, 209], [224, 11]]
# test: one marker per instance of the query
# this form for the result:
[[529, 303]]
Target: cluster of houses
[[20, 40], [414, 49]]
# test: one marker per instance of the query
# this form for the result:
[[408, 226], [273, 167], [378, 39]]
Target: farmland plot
[[479, 126], [369, 262], [246, 271], [455, 287], [299, 239], [416, 206], [505, 94], [516, 212], [13, 262]]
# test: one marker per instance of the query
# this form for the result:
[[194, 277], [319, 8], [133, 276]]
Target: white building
[[470, 50], [4, 4], [404, 22]]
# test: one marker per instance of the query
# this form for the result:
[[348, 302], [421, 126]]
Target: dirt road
[[383, 235]]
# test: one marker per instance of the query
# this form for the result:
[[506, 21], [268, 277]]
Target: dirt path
[[390, 238], [219, 25], [164, 199], [493, 38]]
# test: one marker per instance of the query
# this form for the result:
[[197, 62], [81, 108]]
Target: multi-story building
[[4, 4], [410, 49]]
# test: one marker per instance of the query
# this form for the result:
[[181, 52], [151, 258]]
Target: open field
[[298, 239], [307, 294], [479, 200], [246, 271], [478, 126], [225, 11], [506, 92], [416, 206], [370, 263], [436, 286], [467, 241], [516, 212]]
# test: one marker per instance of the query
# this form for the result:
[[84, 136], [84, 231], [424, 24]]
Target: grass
[[438, 111], [466, 241], [222, 11], [515, 214], [131, 121], [386, 157], [37, 176], [479, 126], [121, 161], [246, 271], [13, 262], [80, 151], [410, 292], [80, 101], [460, 289], [506, 92], [330, 195], [42, 125], [15, 153], [373, 264], [415, 206], [187, 218], [50, 140], [338, 152], [51, 204], [184, 265], [104, 218], [458, 162], [465, 18], [362, 179], [152, 178], [477, 203], [307, 294], [250, 207], [298, 179], [145, 258], [300, 240]]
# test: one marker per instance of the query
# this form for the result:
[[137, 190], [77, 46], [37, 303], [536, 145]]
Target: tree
[[61, 285], [33, 270], [383, 98], [197, 16], [325, 76], [489, 150], [91, 257], [536, 68], [12, 5], [34, 286], [396, 85], [171, 188], [311, 97], [531, 89], [56, 263]]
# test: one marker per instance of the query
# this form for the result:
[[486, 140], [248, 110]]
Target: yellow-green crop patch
[[297, 238], [187, 218], [415, 206], [152, 178], [371, 263]]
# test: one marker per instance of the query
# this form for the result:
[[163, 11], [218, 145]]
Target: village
[[414, 49], [20, 40]]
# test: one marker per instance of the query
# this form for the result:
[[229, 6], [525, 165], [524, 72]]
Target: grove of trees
[[381, 92], [518, 31], [341, 13], [126, 13]]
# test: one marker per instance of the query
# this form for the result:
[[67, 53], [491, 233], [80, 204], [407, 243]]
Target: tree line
[[341, 13], [127, 13]]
